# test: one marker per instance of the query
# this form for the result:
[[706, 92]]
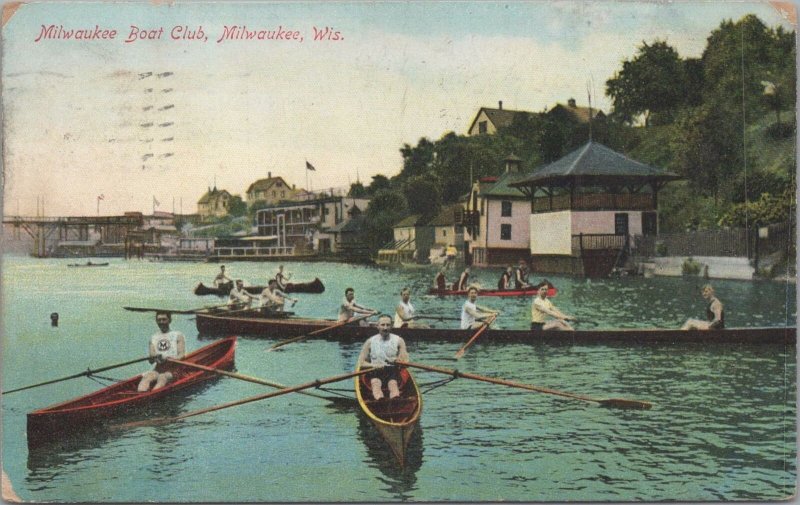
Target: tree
[[236, 206], [357, 190], [653, 82], [385, 209], [423, 196], [379, 182], [417, 160]]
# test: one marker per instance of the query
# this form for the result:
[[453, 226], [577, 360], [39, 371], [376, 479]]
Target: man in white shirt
[[163, 344], [380, 352], [238, 295], [404, 312], [273, 299], [542, 308], [473, 315], [349, 308]]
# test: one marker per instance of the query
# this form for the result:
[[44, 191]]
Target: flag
[[156, 203], [101, 197], [309, 166]]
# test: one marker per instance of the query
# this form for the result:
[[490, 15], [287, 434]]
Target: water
[[722, 428]]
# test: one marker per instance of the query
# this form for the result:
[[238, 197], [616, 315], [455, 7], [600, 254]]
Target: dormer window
[[482, 127]]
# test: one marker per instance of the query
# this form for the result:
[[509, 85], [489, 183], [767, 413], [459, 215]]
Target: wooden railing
[[594, 241], [465, 217], [594, 201], [223, 252]]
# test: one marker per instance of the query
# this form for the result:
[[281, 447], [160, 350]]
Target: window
[[505, 232], [274, 194], [506, 208], [444, 233], [283, 194], [482, 127], [482, 205]]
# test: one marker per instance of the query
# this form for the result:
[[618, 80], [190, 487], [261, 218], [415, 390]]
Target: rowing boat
[[529, 291], [210, 323], [88, 264], [395, 419], [96, 409], [313, 287]]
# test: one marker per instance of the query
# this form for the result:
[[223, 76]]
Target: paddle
[[171, 311], [82, 374], [611, 402], [437, 318], [475, 336], [282, 343], [247, 378], [292, 389]]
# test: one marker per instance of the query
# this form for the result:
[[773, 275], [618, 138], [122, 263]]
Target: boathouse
[[586, 207], [496, 219]]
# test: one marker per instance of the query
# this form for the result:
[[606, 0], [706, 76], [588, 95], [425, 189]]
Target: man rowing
[[273, 299], [440, 281], [163, 344], [282, 279], [472, 315], [505, 279], [380, 352], [239, 297], [463, 281], [404, 313], [221, 278], [542, 309], [715, 313], [521, 276], [349, 308]]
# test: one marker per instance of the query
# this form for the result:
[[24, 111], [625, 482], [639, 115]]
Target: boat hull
[[394, 419], [312, 287], [248, 323], [531, 291], [98, 408]]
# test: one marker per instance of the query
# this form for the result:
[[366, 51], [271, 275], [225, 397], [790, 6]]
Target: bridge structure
[[48, 232]]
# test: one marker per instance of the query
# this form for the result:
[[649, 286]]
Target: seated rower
[[440, 281], [463, 281], [282, 279], [163, 344], [541, 308], [238, 297], [221, 278], [715, 313], [521, 276], [404, 313], [349, 308], [381, 351], [505, 279], [273, 299], [472, 315]]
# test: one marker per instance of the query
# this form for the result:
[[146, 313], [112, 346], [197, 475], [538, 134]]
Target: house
[[306, 224], [586, 206], [270, 190], [496, 219], [575, 113], [412, 242], [214, 203], [488, 120], [447, 233]]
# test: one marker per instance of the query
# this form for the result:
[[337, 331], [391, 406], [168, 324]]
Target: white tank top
[[166, 344], [467, 319], [409, 311], [383, 352]]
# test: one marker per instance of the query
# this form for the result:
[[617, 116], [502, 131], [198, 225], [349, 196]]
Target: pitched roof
[[351, 226], [412, 220], [591, 163], [502, 187], [580, 114], [212, 194], [446, 217], [500, 118], [265, 184]]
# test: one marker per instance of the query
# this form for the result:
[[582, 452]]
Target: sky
[[161, 120]]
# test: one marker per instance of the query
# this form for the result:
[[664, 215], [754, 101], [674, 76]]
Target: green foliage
[[236, 206], [386, 208], [690, 267], [681, 209], [768, 209], [423, 196], [357, 190], [379, 182]]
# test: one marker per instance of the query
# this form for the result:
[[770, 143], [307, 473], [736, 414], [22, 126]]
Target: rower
[[472, 315], [541, 308], [282, 279], [521, 276], [221, 278], [238, 295], [463, 281], [505, 279], [715, 313], [440, 281], [380, 352], [163, 344], [273, 299], [404, 313], [349, 308]]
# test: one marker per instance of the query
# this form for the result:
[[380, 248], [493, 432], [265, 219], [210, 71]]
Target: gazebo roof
[[594, 163]]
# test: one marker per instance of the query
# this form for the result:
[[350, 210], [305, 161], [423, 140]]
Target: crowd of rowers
[[511, 279]]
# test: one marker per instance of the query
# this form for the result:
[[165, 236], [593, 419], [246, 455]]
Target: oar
[[292, 389], [437, 318], [171, 311], [475, 336], [82, 374], [610, 402], [282, 343], [247, 378]]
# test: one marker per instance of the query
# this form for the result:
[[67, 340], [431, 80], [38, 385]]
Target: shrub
[[690, 266]]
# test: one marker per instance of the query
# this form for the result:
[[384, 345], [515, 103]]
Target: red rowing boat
[[96, 408], [529, 291]]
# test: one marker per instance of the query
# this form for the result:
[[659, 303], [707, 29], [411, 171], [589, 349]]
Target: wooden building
[[586, 207], [214, 203]]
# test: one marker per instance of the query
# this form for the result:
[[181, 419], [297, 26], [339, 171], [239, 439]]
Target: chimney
[[512, 163], [500, 105], [269, 174], [571, 103]]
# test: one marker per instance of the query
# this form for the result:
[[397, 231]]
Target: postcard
[[398, 251]]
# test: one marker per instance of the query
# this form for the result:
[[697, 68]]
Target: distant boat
[[88, 264]]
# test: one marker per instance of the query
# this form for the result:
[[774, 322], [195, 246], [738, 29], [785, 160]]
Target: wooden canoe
[[211, 323], [88, 264], [96, 409], [395, 419], [529, 291], [314, 287]]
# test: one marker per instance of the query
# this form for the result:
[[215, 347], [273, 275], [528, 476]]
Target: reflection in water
[[400, 481]]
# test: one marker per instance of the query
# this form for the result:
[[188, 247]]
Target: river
[[722, 426]]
